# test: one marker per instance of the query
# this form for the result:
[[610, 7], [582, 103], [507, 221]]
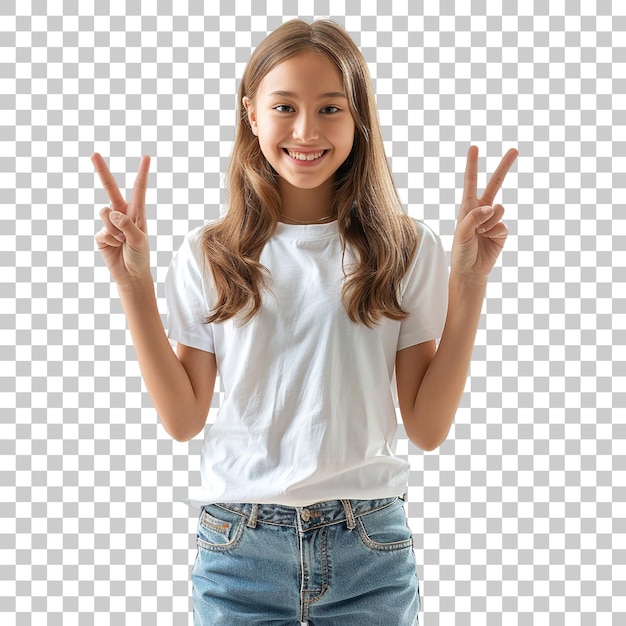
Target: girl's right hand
[[123, 240]]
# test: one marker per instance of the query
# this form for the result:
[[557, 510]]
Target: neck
[[305, 205]]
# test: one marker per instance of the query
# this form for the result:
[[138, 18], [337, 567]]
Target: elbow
[[429, 447], [428, 442], [182, 430], [181, 437], [425, 444], [427, 433]]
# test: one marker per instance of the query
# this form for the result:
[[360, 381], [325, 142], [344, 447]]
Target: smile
[[305, 156]]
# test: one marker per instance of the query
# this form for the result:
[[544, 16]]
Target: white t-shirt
[[308, 412]]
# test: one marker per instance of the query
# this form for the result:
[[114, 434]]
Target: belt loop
[[349, 514], [254, 513]]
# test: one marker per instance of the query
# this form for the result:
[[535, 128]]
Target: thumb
[[124, 223], [474, 221], [134, 235]]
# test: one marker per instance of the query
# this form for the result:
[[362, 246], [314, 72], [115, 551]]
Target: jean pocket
[[386, 529], [219, 529]]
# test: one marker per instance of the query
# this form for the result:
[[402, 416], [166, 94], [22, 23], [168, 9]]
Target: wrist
[[136, 286], [466, 292], [465, 303], [468, 280]]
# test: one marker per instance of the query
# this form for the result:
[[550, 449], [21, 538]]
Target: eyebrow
[[290, 94]]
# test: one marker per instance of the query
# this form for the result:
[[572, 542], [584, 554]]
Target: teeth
[[311, 156]]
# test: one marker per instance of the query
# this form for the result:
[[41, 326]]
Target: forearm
[[442, 387], [165, 377], [429, 401]]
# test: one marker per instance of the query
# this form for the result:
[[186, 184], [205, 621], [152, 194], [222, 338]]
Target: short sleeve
[[424, 291], [187, 297]]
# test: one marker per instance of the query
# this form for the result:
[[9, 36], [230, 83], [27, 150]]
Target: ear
[[247, 103]]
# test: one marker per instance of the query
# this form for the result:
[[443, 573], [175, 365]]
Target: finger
[[471, 175], [497, 178], [108, 224], [498, 231], [134, 236], [108, 182], [137, 204], [105, 239], [473, 221], [496, 216]]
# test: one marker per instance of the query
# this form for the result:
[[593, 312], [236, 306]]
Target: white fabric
[[308, 411]]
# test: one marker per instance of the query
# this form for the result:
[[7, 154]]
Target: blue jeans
[[336, 563]]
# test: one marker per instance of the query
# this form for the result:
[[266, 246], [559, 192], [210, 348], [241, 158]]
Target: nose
[[305, 127]]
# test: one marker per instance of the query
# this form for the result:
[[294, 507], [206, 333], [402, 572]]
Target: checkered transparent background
[[520, 517]]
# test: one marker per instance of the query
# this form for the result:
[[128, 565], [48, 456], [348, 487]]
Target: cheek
[[270, 131], [345, 132], [348, 140], [269, 150]]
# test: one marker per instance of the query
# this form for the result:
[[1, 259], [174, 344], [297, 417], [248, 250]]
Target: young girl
[[306, 297]]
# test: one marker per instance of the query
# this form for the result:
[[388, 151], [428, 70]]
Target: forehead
[[306, 74]]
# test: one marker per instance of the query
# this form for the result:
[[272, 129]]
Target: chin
[[304, 184]]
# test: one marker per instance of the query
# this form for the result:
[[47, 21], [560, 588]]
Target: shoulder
[[429, 262], [193, 241], [190, 249], [428, 241], [190, 256]]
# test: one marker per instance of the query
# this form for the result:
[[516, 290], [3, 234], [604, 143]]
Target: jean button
[[305, 515]]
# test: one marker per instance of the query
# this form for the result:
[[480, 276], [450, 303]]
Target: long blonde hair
[[370, 216]]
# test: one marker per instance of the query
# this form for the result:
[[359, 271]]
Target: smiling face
[[301, 117]]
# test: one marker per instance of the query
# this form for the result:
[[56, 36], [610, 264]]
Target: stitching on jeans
[[212, 523], [347, 507], [253, 516], [303, 605], [221, 547], [382, 547], [233, 509], [306, 597]]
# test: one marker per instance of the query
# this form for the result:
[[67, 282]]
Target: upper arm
[[411, 366], [201, 368]]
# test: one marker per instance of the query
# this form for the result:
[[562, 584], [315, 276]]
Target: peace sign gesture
[[480, 233], [123, 241]]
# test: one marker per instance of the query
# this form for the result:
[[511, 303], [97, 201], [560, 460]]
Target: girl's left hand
[[480, 233]]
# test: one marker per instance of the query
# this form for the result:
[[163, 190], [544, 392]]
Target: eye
[[284, 108], [329, 110]]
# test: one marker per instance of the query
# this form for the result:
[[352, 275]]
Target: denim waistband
[[308, 517]]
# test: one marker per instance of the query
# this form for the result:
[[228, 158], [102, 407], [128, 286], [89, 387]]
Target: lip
[[305, 162]]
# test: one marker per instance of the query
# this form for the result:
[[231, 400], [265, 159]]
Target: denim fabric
[[336, 563]]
